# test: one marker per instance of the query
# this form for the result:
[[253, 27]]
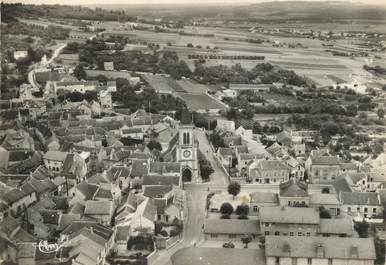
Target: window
[[309, 261], [232, 236], [266, 224], [266, 233], [329, 261], [374, 210], [365, 209], [291, 233], [294, 261], [300, 234], [359, 209], [277, 260], [308, 234], [277, 233], [255, 208], [213, 235], [349, 209]]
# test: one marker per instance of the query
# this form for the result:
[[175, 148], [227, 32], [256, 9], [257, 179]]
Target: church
[[186, 153], [183, 149]]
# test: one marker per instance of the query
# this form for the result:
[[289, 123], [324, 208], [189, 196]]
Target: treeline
[[9, 12], [93, 52], [50, 32], [129, 99], [264, 72], [224, 57], [375, 69]]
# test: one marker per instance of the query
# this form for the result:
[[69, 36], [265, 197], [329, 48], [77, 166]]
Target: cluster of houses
[[297, 199], [92, 186], [294, 223]]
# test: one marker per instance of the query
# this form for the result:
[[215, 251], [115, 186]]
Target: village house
[[225, 155], [18, 200], [18, 140], [336, 227], [54, 160], [101, 211], [90, 245], [52, 87], [163, 197], [361, 204], [269, 172], [230, 229], [83, 192], [294, 194], [289, 221], [322, 168], [295, 167], [330, 202], [262, 199], [105, 101], [280, 250], [133, 133], [20, 54]]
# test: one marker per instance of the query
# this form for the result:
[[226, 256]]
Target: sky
[[96, 2]]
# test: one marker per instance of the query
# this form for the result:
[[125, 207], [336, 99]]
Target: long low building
[[226, 229], [218, 256], [280, 250]]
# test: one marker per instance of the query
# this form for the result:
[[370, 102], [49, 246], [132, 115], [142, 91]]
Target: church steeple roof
[[186, 117]]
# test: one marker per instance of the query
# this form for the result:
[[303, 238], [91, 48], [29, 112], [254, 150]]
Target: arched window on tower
[[186, 139]]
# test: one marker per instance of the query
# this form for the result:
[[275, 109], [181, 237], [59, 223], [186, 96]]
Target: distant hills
[[320, 9]]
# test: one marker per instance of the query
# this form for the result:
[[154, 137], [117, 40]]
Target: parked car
[[228, 245]]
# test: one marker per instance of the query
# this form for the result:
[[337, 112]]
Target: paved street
[[193, 233], [31, 74], [196, 199], [219, 177], [195, 203]]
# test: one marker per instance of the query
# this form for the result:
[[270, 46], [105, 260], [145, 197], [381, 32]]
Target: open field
[[336, 79], [45, 23], [307, 65], [192, 88], [160, 83], [201, 102]]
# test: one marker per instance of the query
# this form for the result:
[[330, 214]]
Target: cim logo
[[44, 247]]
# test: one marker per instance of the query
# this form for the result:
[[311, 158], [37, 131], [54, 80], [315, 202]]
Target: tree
[[242, 211], [324, 213], [379, 251], [217, 140], [246, 240], [154, 145], [205, 169], [257, 128], [234, 188], [79, 72], [157, 227], [381, 113], [226, 210]]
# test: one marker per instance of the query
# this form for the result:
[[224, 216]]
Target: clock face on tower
[[186, 153]]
